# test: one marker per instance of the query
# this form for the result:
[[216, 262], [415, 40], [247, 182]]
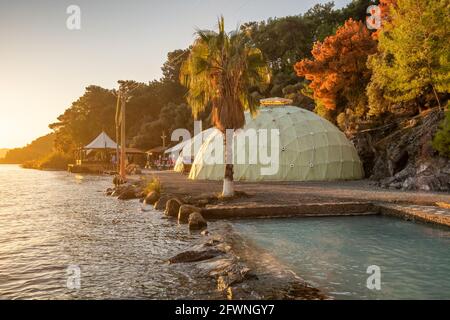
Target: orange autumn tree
[[338, 73]]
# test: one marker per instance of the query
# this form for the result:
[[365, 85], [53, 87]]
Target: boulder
[[185, 211], [197, 222], [400, 155], [205, 233], [172, 207], [203, 202], [128, 194], [152, 198], [117, 180], [235, 274], [195, 256], [160, 205]]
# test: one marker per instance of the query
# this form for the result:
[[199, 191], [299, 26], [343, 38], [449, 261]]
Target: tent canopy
[[103, 141], [178, 147], [157, 150], [133, 151], [187, 149]]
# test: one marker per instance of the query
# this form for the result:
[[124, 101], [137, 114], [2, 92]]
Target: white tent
[[178, 147], [188, 149], [103, 141]]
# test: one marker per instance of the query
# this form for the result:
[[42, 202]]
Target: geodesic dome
[[310, 148]]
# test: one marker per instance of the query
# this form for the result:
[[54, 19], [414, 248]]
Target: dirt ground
[[298, 192]]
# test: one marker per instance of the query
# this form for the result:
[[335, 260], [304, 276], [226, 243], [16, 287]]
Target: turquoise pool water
[[334, 253]]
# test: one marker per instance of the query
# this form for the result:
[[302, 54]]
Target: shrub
[[153, 185], [441, 141], [31, 164], [54, 161]]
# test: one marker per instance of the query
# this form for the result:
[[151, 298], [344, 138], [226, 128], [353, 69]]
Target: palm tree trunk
[[228, 184]]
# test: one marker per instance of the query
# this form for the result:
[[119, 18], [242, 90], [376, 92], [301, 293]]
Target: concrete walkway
[[428, 214], [311, 198], [301, 192]]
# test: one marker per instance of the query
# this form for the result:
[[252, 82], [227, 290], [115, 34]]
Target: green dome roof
[[310, 149]]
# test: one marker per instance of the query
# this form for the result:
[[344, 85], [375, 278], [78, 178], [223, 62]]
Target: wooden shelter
[[99, 156]]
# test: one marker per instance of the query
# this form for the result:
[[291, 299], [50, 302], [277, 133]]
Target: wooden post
[[119, 101], [125, 90], [123, 173], [163, 137]]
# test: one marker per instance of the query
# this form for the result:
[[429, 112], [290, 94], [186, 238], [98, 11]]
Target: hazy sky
[[44, 66]]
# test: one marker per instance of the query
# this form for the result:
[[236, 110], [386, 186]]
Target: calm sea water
[[50, 221], [334, 254]]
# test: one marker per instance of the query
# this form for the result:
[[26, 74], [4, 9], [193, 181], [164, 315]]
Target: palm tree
[[220, 71]]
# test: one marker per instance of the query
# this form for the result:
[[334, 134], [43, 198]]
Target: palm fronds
[[220, 70]]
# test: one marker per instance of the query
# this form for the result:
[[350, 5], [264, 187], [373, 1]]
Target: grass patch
[[154, 184]]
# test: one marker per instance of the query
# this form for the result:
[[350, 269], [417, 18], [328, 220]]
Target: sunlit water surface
[[52, 220], [334, 254]]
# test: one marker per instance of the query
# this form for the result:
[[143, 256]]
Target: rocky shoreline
[[400, 156], [239, 269], [242, 270]]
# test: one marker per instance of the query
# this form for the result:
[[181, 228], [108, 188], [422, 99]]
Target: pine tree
[[414, 51], [441, 141]]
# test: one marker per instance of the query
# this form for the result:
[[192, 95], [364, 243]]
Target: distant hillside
[[35, 150], [3, 153]]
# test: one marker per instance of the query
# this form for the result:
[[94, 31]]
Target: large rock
[[152, 198], [172, 207], [197, 222], [160, 205], [128, 194], [399, 155], [185, 211], [235, 274], [195, 256], [117, 180]]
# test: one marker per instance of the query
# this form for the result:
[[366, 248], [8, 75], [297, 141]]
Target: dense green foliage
[[85, 119], [35, 150], [220, 71], [161, 106], [441, 141], [284, 41], [56, 160], [408, 72], [153, 185], [414, 54]]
